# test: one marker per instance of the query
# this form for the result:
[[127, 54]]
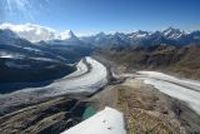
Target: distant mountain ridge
[[170, 36]]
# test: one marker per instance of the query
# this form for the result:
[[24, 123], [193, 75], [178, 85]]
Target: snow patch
[[8, 55], [32, 49], [108, 121]]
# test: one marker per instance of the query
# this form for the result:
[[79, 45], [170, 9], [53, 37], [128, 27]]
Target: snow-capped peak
[[67, 34], [172, 33], [66, 38]]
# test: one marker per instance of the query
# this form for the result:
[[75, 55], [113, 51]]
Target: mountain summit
[[67, 34], [66, 38], [171, 36], [173, 33]]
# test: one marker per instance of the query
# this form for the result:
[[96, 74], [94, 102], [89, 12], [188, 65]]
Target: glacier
[[183, 89]]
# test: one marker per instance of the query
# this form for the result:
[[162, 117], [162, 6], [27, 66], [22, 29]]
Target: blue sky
[[92, 16]]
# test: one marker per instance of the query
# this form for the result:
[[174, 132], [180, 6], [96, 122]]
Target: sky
[[92, 16]]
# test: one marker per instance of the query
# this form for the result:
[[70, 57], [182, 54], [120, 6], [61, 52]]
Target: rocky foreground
[[146, 109], [52, 116]]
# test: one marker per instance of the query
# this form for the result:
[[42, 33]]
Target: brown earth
[[147, 110], [183, 61]]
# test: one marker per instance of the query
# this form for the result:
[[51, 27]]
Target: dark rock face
[[52, 116]]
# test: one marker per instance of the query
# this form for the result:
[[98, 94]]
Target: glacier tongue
[[88, 82], [85, 79]]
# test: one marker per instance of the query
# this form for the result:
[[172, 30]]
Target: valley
[[140, 96], [63, 82]]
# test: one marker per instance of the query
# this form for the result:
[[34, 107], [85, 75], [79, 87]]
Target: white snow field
[[84, 79], [183, 89], [107, 121]]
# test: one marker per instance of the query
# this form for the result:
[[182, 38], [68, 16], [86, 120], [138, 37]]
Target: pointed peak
[[173, 33], [67, 34], [70, 32]]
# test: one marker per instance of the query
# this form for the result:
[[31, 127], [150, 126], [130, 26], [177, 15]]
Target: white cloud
[[31, 32]]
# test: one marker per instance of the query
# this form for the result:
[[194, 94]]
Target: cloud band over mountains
[[35, 33]]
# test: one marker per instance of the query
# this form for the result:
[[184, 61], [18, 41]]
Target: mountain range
[[45, 58], [170, 36]]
